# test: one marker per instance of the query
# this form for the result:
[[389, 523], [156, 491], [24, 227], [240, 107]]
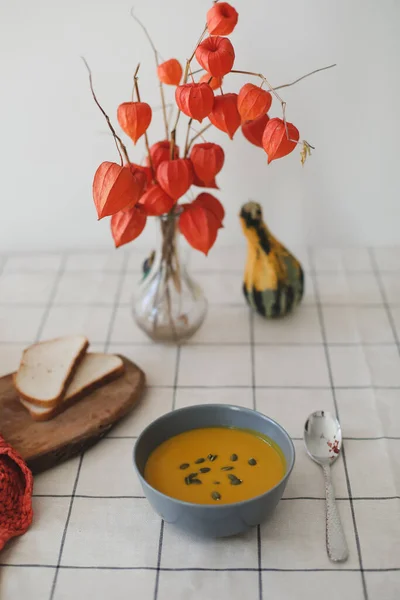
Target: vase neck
[[168, 244]]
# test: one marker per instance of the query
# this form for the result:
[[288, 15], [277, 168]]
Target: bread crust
[[62, 406], [54, 401]]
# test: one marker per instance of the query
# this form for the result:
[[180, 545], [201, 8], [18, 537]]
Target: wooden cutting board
[[45, 444]]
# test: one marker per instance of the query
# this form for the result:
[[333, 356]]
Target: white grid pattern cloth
[[94, 535]]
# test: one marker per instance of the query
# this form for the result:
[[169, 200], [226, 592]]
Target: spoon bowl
[[323, 437]]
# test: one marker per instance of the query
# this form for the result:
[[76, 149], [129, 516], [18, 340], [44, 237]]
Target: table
[[95, 535]]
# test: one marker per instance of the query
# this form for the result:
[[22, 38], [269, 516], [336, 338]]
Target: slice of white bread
[[94, 370], [47, 368]]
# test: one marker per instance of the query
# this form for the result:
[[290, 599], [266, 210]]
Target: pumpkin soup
[[215, 465]]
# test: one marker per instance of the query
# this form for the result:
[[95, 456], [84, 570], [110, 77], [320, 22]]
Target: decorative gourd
[[274, 279]]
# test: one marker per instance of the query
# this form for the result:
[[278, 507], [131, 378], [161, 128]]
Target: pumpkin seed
[[252, 461], [234, 457], [192, 478], [204, 469], [184, 466], [212, 457], [199, 461], [226, 468], [216, 496], [234, 480], [189, 479]]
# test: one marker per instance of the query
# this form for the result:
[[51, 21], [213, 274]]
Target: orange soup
[[215, 465]]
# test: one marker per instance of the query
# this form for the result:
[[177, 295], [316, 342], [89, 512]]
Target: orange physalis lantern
[[225, 115], [216, 55], [221, 19], [195, 100], [145, 170], [214, 82], [175, 177], [114, 188], [160, 151], [199, 226], [134, 118], [253, 102], [211, 203], [276, 142], [170, 72], [207, 160], [155, 202], [253, 130], [127, 225], [199, 183], [140, 179]]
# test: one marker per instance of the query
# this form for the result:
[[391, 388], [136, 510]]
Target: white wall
[[52, 136]]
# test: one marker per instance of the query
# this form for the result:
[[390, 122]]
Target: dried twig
[[187, 137], [164, 110], [185, 78], [282, 102], [196, 71], [143, 27], [285, 85], [156, 55], [170, 113], [173, 141], [193, 53], [198, 134], [160, 107], [117, 139], [146, 139], [173, 132]]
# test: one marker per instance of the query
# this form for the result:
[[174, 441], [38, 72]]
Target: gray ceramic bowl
[[210, 520]]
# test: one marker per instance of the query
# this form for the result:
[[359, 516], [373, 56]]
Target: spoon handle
[[336, 544]]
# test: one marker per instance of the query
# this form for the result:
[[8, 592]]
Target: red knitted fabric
[[16, 485]]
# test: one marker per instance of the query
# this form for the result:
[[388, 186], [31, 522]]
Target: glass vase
[[169, 306]]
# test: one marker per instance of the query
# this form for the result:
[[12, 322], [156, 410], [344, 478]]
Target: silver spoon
[[323, 440]]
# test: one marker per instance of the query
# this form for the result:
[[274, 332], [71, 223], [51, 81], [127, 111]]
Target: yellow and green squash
[[273, 279]]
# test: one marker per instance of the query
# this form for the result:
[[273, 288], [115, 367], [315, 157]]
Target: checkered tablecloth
[[94, 535]]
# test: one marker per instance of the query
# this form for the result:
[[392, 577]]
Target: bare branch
[[263, 79], [136, 74], [197, 45], [156, 57], [187, 137], [282, 102], [185, 78], [146, 139], [198, 134], [196, 71], [285, 85], [139, 22], [159, 107], [173, 133], [164, 110], [117, 139]]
